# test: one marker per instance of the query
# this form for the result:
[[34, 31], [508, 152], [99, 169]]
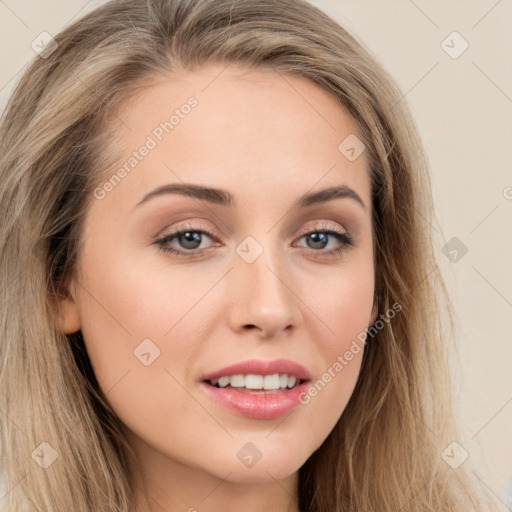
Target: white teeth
[[237, 381], [253, 381], [271, 381], [223, 381]]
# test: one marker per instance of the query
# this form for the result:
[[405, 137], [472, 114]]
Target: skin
[[267, 139]]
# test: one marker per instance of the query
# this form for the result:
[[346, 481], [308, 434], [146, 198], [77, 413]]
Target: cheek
[[343, 309], [342, 302], [122, 304], [142, 327], [140, 338]]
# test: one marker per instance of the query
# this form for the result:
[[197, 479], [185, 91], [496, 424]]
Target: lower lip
[[257, 405]]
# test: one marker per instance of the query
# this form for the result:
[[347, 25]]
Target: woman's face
[[265, 280]]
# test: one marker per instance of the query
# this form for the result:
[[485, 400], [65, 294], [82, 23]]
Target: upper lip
[[261, 367]]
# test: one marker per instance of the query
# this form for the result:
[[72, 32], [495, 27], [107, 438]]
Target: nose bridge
[[263, 295]]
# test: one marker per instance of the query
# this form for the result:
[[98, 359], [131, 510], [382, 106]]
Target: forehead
[[247, 95], [242, 128]]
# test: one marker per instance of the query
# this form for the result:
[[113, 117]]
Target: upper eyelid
[[213, 233], [191, 226], [324, 225]]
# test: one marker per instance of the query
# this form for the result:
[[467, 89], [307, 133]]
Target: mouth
[[256, 383], [258, 389]]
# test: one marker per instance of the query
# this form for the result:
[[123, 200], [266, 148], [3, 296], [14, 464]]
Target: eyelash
[[344, 237]]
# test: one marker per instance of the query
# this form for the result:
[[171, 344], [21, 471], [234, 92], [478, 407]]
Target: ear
[[67, 314]]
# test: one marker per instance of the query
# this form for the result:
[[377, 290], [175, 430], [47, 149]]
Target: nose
[[264, 297]]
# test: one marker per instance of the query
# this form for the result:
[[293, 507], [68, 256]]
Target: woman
[[217, 274]]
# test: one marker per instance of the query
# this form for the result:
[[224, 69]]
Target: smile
[[253, 381], [258, 389]]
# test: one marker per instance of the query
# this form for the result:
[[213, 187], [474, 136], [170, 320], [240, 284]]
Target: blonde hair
[[385, 451]]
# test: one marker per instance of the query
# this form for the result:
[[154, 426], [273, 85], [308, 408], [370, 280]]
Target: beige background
[[463, 107]]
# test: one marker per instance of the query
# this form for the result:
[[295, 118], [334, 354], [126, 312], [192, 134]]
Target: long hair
[[384, 453]]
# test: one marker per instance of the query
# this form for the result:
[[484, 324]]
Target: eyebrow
[[224, 198]]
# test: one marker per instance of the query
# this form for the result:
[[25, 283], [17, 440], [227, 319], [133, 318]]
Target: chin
[[271, 466]]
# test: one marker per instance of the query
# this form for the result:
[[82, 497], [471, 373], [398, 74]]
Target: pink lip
[[259, 404], [261, 367]]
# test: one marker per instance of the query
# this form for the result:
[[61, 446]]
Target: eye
[[319, 238], [188, 238], [189, 241]]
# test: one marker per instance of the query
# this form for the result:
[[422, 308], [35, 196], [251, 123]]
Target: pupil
[[190, 239], [319, 240]]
